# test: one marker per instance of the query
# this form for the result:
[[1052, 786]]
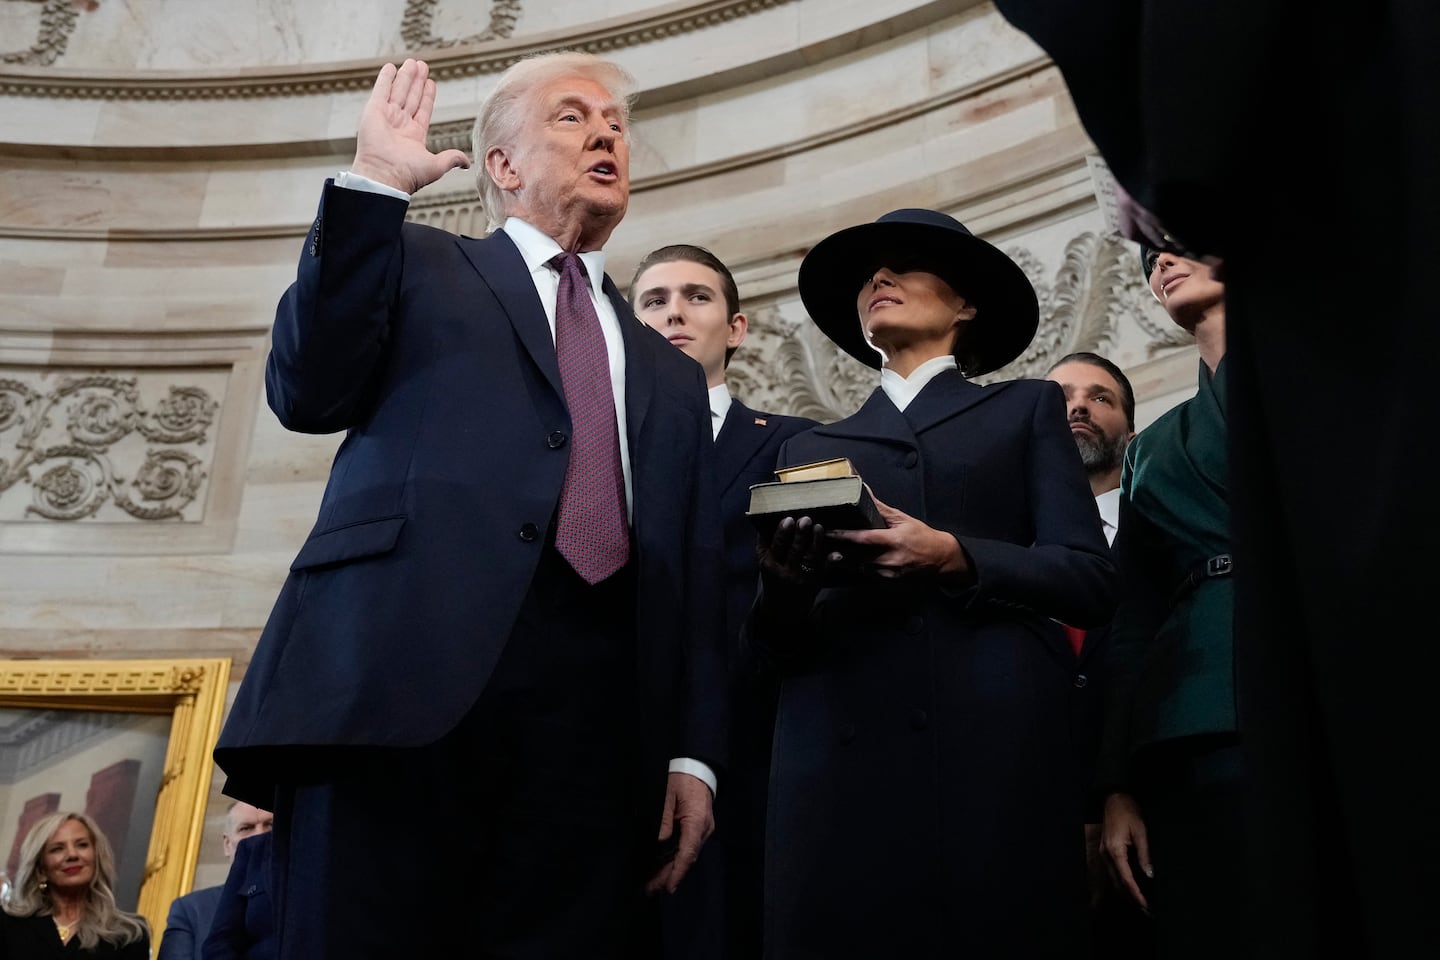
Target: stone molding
[[452, 59], [462, 207]]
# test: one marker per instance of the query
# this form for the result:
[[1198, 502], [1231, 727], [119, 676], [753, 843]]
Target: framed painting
[[127, 742]]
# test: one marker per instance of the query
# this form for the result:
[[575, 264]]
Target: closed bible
[[834, 502]]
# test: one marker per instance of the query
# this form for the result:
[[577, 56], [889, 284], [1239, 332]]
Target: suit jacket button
[[845, 732], [528, 532], [911, 459], [1082, 681], [914, 624], [556, 440], [919, 719]]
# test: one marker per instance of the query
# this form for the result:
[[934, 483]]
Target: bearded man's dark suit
[[1316, 126], [434, 353]]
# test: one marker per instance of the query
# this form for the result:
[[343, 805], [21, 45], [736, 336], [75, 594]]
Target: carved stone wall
[[105, 446]]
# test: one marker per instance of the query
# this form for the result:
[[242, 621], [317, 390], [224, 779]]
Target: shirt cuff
[[353, 181], [700, 771]]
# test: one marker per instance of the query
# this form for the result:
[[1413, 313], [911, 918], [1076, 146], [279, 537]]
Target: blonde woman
[[62, 900]]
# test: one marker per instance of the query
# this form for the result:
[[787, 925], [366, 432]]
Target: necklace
[[64, 928]]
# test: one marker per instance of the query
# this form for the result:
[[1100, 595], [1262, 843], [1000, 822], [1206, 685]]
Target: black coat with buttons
[[922, 794]]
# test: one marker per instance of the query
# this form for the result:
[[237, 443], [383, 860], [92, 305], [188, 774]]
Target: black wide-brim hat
[[1007, 312]]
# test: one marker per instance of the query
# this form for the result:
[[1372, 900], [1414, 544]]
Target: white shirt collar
[[538, 249], [901, 390], [720, 401], [1109, 504]]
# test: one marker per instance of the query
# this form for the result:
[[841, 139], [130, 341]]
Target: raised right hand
[[390, 143]]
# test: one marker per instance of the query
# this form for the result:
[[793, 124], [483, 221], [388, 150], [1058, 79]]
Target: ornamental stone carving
[[1097, 290], [54, 22], [416, 26], [90, 445]]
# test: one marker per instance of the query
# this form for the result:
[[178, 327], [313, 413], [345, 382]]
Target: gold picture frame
[[192, 694]]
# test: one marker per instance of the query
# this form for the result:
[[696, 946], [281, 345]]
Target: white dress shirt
[[536, 248], [1109, 504], [719, 406], [901, 390]]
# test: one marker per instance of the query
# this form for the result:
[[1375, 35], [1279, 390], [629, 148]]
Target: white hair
[[502, 115]]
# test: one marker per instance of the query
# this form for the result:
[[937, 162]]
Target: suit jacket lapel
[[739, 440], [639, 369], [500, 265]]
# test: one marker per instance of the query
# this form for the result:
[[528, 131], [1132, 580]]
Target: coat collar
[[639, 367], [947, 395]]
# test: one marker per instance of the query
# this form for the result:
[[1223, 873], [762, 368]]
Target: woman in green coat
[[1170, 764]]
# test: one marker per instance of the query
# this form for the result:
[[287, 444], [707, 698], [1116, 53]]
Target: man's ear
[[739, 326], [501, 167]]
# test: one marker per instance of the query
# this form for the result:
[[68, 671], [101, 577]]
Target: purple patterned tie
[[592, 532]]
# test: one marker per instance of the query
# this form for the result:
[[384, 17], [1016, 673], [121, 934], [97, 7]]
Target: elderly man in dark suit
[[190, 916], [1184, 100], [458, 651], [688, 294]]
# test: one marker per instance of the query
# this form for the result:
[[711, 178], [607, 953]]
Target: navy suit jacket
[[187, 925], [244, 926], [745, 452], [433, 352]]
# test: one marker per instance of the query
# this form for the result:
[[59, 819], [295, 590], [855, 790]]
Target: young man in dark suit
[[459, 636], [687, 294]]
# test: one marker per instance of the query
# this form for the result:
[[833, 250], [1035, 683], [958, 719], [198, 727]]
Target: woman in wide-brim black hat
[[924, 799], [997, 318]]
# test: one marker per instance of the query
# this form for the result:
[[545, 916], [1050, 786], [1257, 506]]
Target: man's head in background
[[241, 821]]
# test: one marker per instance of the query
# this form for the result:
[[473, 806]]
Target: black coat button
[[914, 624], [919, 719], [528, 532], [556, 440], [911, 459], [845, 732], [1082, 681]]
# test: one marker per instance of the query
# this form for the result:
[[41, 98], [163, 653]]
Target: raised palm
[[390, 145]]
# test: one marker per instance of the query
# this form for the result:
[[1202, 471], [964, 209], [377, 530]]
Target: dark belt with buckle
[[1219, 565]]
